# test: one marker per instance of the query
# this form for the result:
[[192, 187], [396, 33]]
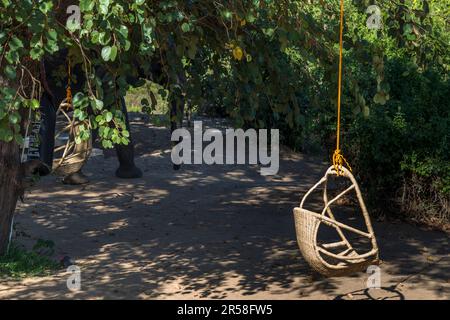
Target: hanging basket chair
[[68, 156], [338, 258]]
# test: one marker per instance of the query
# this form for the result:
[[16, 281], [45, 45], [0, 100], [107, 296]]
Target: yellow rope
[[338, 159], [69, 83]]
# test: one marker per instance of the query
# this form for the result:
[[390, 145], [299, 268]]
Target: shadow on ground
[[204, 232]]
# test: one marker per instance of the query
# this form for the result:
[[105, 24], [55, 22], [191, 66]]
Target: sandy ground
[[216, 232]]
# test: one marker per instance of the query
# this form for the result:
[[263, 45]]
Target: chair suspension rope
[[338, 159], [69, 83]]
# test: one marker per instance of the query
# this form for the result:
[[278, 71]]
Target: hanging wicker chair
[[346, 259], [69, 157]]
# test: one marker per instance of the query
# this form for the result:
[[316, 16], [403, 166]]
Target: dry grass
[[422, 202]]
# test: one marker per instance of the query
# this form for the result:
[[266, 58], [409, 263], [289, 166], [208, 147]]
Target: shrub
[[401, 151], [19, 262]]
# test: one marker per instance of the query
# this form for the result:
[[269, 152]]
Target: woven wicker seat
[[69, 157], [319, 255]]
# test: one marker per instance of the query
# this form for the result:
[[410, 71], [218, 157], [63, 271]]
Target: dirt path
[[204, 232]]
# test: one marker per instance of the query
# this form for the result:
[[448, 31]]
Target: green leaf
[[86, 5], [6, 134], [10, 72], [106, 53], [108, 117], [186, 27], [19, 139], [14, 118], [126, 133], [380, 98], [52, 34], [124, 141], [104, 6], [107, 144], [15, 43], [113, 53], [97, 104]]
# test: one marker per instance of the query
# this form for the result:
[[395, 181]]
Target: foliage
[[264, 63], [403, 146], [19, 262], [400, 145], [118, 41]]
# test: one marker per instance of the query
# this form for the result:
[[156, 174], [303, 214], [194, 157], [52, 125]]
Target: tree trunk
[[12, 171], [10, 189]]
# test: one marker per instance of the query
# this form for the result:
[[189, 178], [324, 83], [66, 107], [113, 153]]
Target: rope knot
[[69, 95], [339, 161]]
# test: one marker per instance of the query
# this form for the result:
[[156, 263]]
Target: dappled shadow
[[201, 232], [388, 293]]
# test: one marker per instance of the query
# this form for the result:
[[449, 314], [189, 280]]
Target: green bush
[[401, 151]]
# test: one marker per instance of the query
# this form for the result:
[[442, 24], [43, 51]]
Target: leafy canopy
[[257, 59]]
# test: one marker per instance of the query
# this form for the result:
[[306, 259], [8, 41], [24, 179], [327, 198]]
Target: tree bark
[[12, 171], [10, 189]]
